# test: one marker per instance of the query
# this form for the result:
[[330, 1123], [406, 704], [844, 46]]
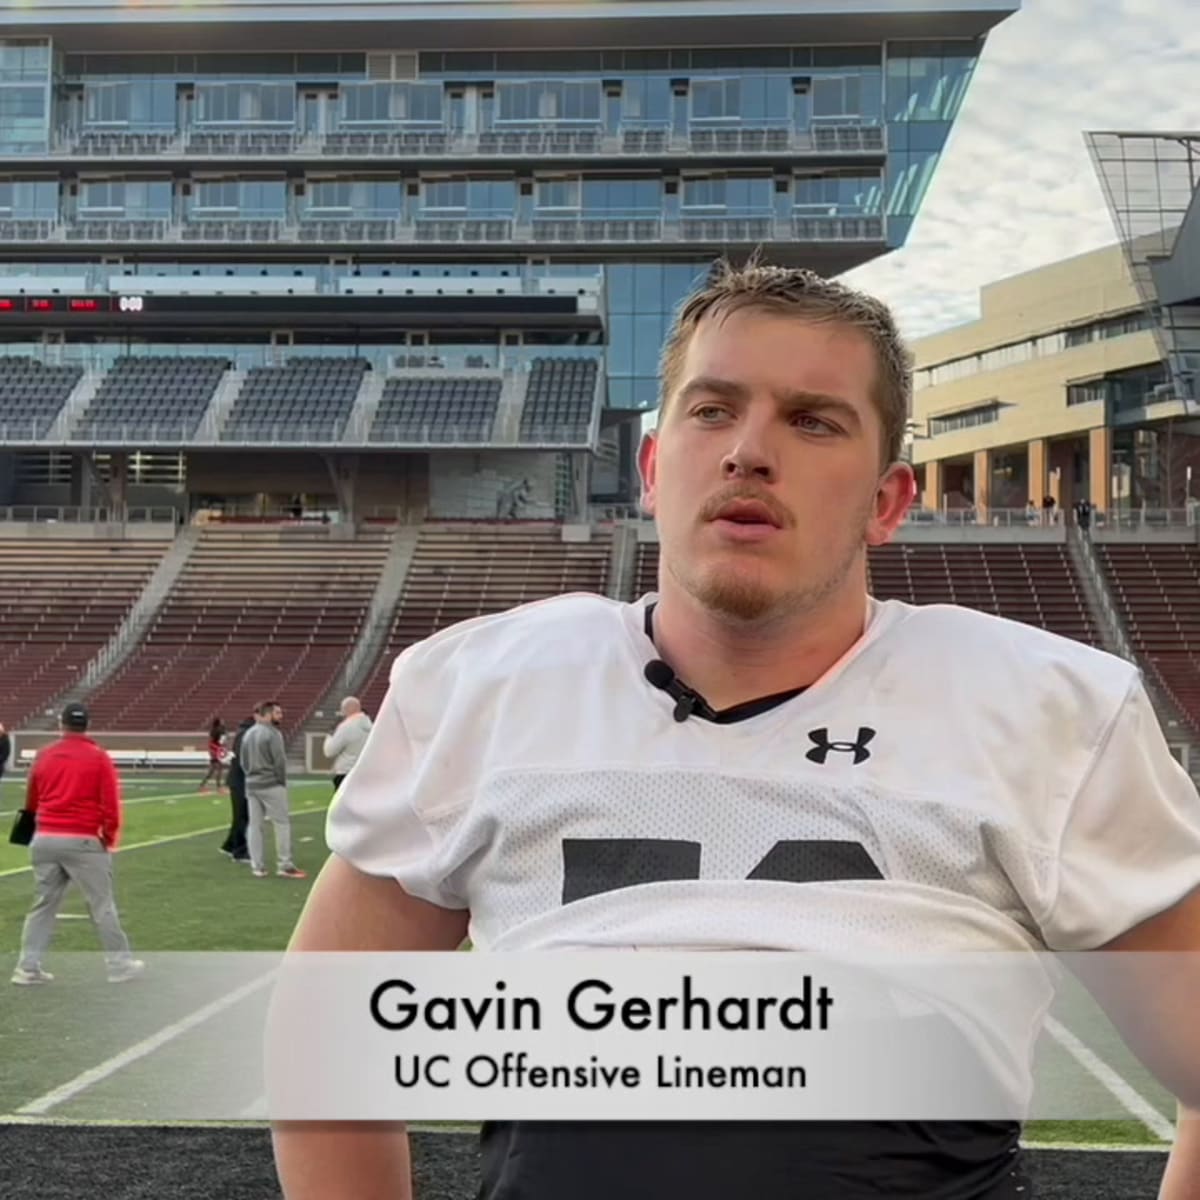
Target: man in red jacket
[[75, 797]]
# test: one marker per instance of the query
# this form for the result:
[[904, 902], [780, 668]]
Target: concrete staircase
[[377, 625], [139, 620]]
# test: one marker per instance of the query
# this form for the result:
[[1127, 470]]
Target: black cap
[[74, 716]]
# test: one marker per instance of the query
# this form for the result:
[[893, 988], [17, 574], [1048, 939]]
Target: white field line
[[1121, 1089], [110, 1066], [135, 800], [175, 837]]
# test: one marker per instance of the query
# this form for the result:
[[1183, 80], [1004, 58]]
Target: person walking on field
[[75, 796], [346, 742], [264, 760], [216, 754]]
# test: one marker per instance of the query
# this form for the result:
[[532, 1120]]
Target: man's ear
[[648, 469], [893, 498]]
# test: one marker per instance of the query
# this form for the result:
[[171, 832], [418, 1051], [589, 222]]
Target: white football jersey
[[957, 782]]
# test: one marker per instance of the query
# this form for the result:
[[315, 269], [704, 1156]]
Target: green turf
[[182, 895]]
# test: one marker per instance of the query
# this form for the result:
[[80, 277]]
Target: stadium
[[321, 336]]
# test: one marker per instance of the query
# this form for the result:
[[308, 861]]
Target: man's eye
[[813, 424]]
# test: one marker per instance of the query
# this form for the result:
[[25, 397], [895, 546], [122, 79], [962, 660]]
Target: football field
[[178, 894]]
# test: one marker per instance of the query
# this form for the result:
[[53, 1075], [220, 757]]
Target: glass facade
[[625, 171], [926, 84], [24, 97], [1152, 183]]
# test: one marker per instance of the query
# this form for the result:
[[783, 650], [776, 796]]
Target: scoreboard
[[116, 315], [66, 305]]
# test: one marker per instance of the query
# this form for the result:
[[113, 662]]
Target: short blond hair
[[809, 297]]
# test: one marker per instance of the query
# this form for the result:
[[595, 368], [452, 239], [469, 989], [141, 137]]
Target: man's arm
[[31, 788], [335, 742], [1154, 1006], [279, 758], [110, 804], [350, 911]]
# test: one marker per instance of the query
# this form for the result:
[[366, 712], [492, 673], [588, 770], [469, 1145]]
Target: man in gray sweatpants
[[264, 761]]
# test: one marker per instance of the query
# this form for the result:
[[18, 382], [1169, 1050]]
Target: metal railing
[[465, 230], [997, 517], [509, 140], [49, 513], [1100, 589]]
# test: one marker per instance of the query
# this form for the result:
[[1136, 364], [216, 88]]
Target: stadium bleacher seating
[[559, 400], [1033, 583], [60, 602], [463, 571], [1030, 582], [162, 399], [33, 396], [437, 408], [1156, 588], [308, 399], [257, 613]]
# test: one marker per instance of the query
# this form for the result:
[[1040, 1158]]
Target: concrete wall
[[1035, 422], [468, 486]]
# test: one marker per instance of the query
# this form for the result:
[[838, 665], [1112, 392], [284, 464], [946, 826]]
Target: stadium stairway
[[61, 601], [138, 620], [258, 612], [464, 570], [375, 628]]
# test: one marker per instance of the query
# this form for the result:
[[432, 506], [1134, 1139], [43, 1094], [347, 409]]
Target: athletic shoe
[[28, 977], [292, 873], [259, 872], [239, 858], [124, 972], [227, 853]]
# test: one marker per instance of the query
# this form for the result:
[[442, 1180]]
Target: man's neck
[[730, 663]]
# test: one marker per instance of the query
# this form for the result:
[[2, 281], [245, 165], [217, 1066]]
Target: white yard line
[[143, 800], [156, 1041], [1116, 1085], [175, 837]]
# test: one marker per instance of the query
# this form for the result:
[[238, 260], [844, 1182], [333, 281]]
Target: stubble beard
[[750, 597]]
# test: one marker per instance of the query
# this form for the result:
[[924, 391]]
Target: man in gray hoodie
[[264, 760], [346, 742]]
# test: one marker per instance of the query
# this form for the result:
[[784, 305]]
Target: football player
[[758, 756]]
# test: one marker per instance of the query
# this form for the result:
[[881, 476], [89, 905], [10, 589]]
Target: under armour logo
[[822, 745]]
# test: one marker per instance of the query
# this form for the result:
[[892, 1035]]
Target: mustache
[[713, 506]]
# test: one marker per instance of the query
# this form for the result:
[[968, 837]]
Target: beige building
[[1059, 389]]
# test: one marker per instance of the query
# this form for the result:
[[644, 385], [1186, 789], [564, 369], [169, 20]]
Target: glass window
[[449, 194], [646, 100], [491, 197], [834, 194], [22, 61], [28, 199], [253, 104], [135, 199], [704, 192], [716, 99], [23, 121], [619, 287], [623, 197], [577, 100], [558, 193], [240, 199], [837, 96], [136, 104]]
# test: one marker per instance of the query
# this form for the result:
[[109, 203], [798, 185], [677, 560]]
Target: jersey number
[[592, 866]]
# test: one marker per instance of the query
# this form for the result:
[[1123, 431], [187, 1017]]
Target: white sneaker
[[27, 977], [124, 972]]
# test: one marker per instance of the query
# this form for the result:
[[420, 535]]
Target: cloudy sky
[[1016, 187]]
